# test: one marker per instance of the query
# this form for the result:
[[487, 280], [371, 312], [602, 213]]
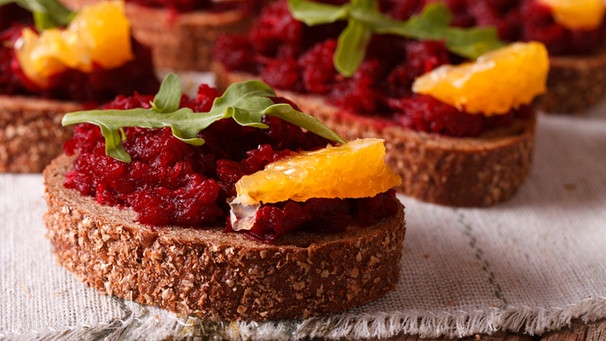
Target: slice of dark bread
[[574, 84], [179, 41], [451, 171], [31, 134], [217, 275]]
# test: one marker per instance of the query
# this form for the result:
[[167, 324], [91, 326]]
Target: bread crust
[[179, 41], [216, 275], [463, 172], [31, 134], [574, 83]]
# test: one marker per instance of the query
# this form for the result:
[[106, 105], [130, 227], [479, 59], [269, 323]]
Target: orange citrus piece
[[104, 28], [494, 84], [99, 33], [577, 14], [353, 170]]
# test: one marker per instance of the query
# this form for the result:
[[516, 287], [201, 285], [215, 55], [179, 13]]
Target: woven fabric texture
[[528, 265]]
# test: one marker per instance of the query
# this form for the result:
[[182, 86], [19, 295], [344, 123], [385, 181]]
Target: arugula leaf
[[365, 18], [168, 97], [353, 42], [47, 13], [245, 102], [316, 13], [434, 24]]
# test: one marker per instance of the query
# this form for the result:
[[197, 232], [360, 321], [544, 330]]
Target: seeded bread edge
[[462, 172], [31, 134], [216, 275], [574, 83]]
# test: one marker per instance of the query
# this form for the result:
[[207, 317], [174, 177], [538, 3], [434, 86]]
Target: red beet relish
[[287, 54], [170, 182], [98, 86]]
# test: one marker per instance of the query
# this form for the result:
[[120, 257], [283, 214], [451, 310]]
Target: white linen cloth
[[528, 265]]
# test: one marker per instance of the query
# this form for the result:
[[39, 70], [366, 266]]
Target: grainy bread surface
[[463, 172], [31, 134], [574, 84], [216, 275], [179, 41]]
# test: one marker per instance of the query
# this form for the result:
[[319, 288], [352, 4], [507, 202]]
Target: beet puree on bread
[[330, 245], [170, 182], [290, 55], [465, 140], [95, 86], [62, 61]]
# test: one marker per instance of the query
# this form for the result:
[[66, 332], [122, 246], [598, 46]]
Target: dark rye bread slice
[[464, 172], [31, 134], [179, 41], [217, 275], [574, 84]]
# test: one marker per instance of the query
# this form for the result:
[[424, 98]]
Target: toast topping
[[364, 19], [577, 14], [99, 35], [353, 170], [246, 103], [184, 156], [496, 83]]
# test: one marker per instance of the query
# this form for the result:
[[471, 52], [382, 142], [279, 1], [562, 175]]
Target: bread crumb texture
[[574, 84], [214, 275], [31, 134]]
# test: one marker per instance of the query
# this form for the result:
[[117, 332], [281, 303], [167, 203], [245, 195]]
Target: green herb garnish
[[365, 19], [47, 13], [244, 102]]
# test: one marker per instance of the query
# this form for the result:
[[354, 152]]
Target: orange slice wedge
[[99, 33], [354, 170], [577, 14], [495, 83]]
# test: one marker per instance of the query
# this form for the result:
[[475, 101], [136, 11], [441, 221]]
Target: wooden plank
[[579, 331], [596, 331], [576, 332]]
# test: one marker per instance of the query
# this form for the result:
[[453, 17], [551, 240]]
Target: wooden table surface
[[578, 331]]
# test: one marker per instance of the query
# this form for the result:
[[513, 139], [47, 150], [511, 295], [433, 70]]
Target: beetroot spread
[[98, 86], [289, 55], [170, 182]]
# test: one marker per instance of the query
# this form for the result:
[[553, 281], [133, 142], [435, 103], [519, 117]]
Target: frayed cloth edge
[[521, 320]]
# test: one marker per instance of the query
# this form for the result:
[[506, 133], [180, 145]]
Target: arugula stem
[[365, 19], [246, 103]]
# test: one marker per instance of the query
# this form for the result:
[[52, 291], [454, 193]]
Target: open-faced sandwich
[[61, 62], [237, 207], [181, 33], [452, 104], [574, 33]]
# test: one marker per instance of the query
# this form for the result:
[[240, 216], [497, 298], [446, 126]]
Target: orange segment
[[494, 84], [353, 170], [100, 33], [43, 56], [577, 14], [105, 30]]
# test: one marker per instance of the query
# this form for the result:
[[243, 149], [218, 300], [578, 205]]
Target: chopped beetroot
[[289, 55], [169, 182]]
